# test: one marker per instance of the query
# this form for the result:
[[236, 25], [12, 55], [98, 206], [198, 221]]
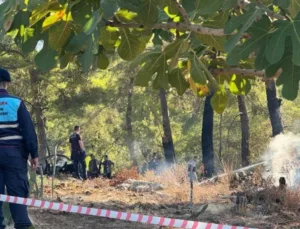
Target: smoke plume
[[283, 158]]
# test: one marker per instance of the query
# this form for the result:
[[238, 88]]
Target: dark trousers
[[13, 177], [93, 175], [80, 167], [107, 175]]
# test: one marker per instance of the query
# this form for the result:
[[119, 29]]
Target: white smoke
[[283, 158]]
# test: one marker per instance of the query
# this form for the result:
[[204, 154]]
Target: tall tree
[[207, 137], [129, 135], [167, 139], [245, 151], [38, 111], [274, 108]]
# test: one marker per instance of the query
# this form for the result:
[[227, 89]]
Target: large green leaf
[[77, 42], [27, 38], [196, 72], [218, 20], [189, 5], [46, 58], [21, 19], [34, 4], [289, 77], [219, 101], [240, 23], [276, 46], [131, 5], [206, 7], [177, 80], [43, 9], [65, 59], [215, 42], [91, 24], [294, 7], [154, 63], [103, 61], [175, 50], [148, 12], [109, 37], [162, 76], [144, 75], [87, 58], [171, 6], [229, 4], [59, 34], [259, 32], [144, 58], [4, 7], [83, 11], [282, 3], [130, 45], [125, 15], [239, 85], [109, 7]]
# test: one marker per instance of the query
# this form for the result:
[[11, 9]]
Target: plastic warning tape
[[126, 216]]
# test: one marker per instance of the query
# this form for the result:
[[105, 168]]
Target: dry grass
[[124, 175], [292, 200], [176, 184]]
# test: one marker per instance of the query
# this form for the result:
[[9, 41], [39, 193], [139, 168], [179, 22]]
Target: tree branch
[[246, 73], [183, 12], [173, 25], [243, 4]]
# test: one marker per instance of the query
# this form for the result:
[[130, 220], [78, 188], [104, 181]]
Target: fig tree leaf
[[276, 45], [242, 24], [177, 80]]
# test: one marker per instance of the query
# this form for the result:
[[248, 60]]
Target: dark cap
[[4, 75]]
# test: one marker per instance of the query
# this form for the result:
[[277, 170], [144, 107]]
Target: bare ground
[[172, 202]]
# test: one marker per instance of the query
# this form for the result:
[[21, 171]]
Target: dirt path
[[167, 203], [45, 220]]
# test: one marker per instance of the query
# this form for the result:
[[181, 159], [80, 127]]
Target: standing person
[[192, 164], [77, 153], [108, 165], [153, 164], [93, 168], [18, 140]]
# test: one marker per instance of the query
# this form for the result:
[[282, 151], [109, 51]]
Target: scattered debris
[[139, 186]]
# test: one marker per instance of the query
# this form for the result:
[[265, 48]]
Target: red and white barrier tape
[[146, 219]]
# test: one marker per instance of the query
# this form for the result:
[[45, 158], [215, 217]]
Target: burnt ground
[[216, 213], [171, 203]]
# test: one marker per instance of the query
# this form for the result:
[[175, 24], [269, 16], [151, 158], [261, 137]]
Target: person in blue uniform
[[78, 153], [18, 141]]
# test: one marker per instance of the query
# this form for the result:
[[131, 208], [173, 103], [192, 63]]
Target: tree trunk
[[129, 136], [220, 138], [274, 108], [38, 113], [207, 137], [245, 130], [167, 139]]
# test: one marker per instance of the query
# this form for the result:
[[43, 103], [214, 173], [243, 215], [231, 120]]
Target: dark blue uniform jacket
[[16, 127]]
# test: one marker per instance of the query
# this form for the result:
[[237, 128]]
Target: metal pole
[[191, 193], [54, 168], [42, 181]]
